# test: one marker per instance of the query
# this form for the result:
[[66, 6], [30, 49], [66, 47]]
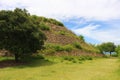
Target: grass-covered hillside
[[61, 41]]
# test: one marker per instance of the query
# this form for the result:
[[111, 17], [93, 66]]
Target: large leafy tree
[[19, 34], [107, 47]]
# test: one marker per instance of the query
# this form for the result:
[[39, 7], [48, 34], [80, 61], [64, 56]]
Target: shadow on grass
[[31, 62]]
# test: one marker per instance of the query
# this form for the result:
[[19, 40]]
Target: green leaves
[[19, 34], [107, 47]]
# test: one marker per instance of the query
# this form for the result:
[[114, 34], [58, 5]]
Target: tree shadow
[[25, 64]]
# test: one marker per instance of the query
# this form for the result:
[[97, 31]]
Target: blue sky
[[97, 20]]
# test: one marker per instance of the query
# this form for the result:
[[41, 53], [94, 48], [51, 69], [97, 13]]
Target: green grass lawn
[[97, 69]]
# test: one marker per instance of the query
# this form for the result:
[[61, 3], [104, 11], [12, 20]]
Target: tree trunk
[[16, 57], [110, 53]]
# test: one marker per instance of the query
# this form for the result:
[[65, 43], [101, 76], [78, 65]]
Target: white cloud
[[87, 30], [109, 35], [93, 9]]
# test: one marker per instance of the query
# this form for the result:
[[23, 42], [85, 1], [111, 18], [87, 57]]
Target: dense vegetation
[[19, 34]]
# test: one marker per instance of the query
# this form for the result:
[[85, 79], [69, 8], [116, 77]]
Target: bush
[[69, 58], [43, 19], [77, 45], [81, 37], [74, 61], [62, 32], [53, 21], [68, 48], [89, 58], [82, 58], [43, 26], [50, 48], [58, 48]]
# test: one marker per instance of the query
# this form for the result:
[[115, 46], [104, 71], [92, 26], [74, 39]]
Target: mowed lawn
[[97, 69]]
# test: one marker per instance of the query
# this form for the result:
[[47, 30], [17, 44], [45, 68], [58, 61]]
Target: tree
[[107, 47], [81, 37], [19, 34], [117, 50]]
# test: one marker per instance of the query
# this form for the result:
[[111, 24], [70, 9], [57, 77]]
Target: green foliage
[[51, 49], [62, 32], [46, 20], [43, 19], [53, 21], [58, 48], [107, 47], [82, 58], [81, 37], [19, 34], [68, 48], [45, 27], [77, 59], [117, 50], [74, 61], [77, 45], [69, 58]]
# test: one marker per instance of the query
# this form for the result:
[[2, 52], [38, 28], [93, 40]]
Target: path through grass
[[99, 69]]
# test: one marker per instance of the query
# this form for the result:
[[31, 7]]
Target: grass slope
[[99, 69]]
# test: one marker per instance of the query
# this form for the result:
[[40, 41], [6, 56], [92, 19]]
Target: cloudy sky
[[97, 20]]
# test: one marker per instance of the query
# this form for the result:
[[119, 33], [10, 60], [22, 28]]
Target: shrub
[[89, 58], [43, 19], [58, 48], [53, 21], [43, 26], [68, 48], [69, 58], [81, 37], [50, 48], [62, 32], [74, 61], [82, 58], [77, 45]]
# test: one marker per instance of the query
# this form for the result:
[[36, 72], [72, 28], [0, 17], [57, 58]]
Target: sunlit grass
[[97, 69]]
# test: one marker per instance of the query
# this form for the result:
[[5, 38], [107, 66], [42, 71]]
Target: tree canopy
[[19, 34], [107, 47]]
